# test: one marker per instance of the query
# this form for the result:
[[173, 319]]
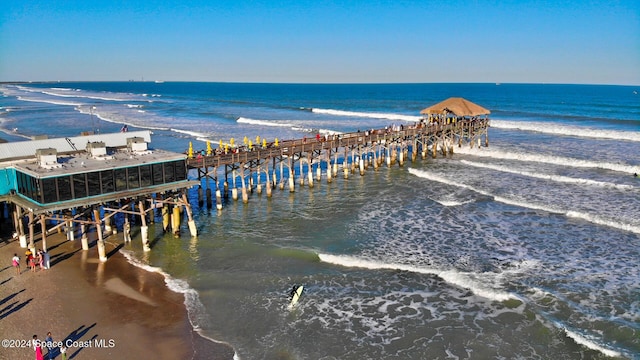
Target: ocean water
[[526, 249]]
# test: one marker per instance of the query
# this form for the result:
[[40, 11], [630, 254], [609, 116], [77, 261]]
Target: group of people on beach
[[48, 342], [40, 258]]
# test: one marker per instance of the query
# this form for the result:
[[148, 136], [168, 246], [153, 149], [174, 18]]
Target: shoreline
[[103, 310]]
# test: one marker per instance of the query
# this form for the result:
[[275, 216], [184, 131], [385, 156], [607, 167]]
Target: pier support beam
[[107, 225], [43, 227], [144, 229], [192, 224], [310, 170], [175, 221], [31, 228], [165, 217], [102, 254], [269, 183], [127, 228], [84, 239], [218, 197], [292, 182]]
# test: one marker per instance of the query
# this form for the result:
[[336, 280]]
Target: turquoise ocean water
[[527, 249]]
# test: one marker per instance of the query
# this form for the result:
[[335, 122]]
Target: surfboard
[[296, 296]]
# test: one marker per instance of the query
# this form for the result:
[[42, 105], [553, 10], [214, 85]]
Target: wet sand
[[103, 310]]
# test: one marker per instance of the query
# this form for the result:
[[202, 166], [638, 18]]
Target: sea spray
[[566, 130], [453, 277], [569, 213]]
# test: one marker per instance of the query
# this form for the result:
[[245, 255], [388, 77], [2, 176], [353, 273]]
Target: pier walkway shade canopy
[[458, 106]]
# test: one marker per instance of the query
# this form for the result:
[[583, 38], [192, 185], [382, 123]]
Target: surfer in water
[[635, 175], [292, 291]]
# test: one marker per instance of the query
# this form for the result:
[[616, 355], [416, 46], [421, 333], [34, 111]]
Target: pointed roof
[[458, 106]]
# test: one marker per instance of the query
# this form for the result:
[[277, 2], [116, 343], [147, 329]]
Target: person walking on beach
[[49, 343], [16, 263], [37, 348]]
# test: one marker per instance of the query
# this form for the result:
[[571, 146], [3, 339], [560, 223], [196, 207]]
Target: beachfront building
[[86, 180]]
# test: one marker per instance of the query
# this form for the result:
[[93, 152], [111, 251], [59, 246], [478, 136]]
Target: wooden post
[[268, 184], [319, 169], [144, 229], [486, 137], [31, 228], [234, 190], [329, 170], [107, 225], [84, 239], [175, 220], [165, 217], [192, 224], [70, 229], [102, 254], [208, 197], [19, 226], [127, 228], [310, 170], [292, 183], [43, 226], [259, 185], [301, 165], [218, 197], [245, 196]]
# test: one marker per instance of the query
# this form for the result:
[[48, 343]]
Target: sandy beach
[[102, 310]]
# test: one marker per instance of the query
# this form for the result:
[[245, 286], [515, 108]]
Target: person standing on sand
[[49, 343], [16, 263], [31, 260], [41, 260], [37, 348]]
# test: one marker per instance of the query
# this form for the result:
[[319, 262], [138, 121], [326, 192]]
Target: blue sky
[[595, 42]]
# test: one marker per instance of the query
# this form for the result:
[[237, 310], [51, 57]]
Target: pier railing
[[285, 148]]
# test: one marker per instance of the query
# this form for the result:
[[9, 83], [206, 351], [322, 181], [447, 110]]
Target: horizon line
[[497, 83]]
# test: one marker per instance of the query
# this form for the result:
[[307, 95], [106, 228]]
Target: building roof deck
[[83, 162], [73, 157]]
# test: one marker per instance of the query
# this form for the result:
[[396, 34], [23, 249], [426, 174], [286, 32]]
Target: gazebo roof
[[457, 106]]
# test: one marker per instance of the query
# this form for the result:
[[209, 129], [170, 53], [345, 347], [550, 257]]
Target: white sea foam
[[97, 113], [584, 341], [567, 130], [450, 203], [263, 122], [497, 153], [556, 178], [14, 133], [196, 311], [194, 134], [389, 116], [569, 213], [46, 101], [82, 96], [276, 123], [456, 278]]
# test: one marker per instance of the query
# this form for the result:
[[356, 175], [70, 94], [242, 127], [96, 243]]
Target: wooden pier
[[86, 181], [274, 163]]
